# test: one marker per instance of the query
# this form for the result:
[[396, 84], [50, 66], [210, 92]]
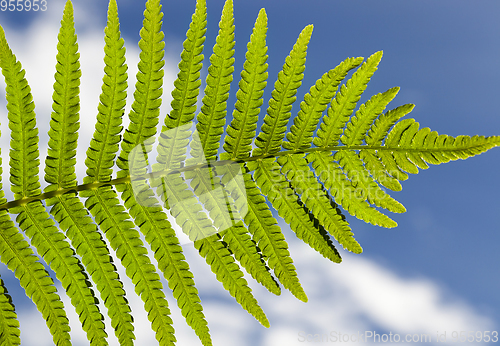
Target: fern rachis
[[304, 166]]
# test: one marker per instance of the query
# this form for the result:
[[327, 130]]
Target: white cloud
[[405, 305], [357, 295]]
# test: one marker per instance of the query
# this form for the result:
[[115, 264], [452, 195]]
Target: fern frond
[[295, 166], [224, 206], [64, 124], [245, 251], [344, 103], [228, 273], [314, 104], [111, 216], [366, 188], [238, 141], [269, 238], [100, 159], [354, 134], [278, 191], [143, 208], [409, 148], [226, 215], [269, 140], [104, 144], [148, 88], [171, 152], [212, 118], [24, 162], [87, 242], [374, 137], [89, 245], [187, 88], [195, 223], [56, 251], [332, 175], [125, 241], [205, 182], [35, 221], [16, 253], [358, 125], [177, 130], [153, 223], [313, 194], [24, 135], [67, 210], [9, 325], [332, 170], [242, 130]]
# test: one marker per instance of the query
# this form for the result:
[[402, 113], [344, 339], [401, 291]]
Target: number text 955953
[[23, 5]]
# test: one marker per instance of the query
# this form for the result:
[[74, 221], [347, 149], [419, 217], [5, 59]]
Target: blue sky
[[438, 270]]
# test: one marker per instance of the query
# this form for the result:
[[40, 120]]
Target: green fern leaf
[[300, 137], [159, 234], [187, 88], [171, 152], [332, 176], [272, 132], [112, 217], [9, 325], [210, 125], [242, 130], [268, 236], [314, 104], [245, 251], [16, 253], [354, 133], [59, 172], [374, 137], [125, 241], [269, 140], [412, 148], [99, 161], [196, 224], [20, 259], [274, 185], [344, 103], [147, 214], [359, 124], [332, 169], [212, 118], [224, 206], [56, 251], [313, 194], [228, 272], [237, 144], [24, 162]]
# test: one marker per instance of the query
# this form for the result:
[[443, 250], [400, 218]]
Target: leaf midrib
[[97, 184]]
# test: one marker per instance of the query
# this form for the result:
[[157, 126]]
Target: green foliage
[[222, 196]]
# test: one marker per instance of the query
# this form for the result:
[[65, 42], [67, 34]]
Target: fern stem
[[97, 184]]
